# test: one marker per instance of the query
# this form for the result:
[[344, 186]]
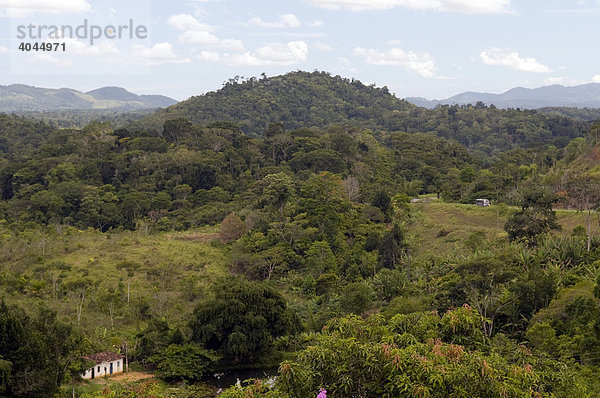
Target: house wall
[[103, 369]]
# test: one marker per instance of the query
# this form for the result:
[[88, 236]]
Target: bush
[[232, 228], [183, 362]]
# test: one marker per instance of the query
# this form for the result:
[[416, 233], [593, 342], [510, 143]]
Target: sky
[[417, 48]]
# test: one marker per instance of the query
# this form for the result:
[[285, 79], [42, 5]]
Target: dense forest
[[317, 99], [331, 234]]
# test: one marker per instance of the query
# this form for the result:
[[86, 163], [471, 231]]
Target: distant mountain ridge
[[24, 98], [582, 96]]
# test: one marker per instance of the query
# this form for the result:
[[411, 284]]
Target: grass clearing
[[175, 270], [448, 227]]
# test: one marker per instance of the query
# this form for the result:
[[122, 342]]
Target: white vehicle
[[482, 202]]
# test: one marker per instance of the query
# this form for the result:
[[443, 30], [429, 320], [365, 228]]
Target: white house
[[106, 364]]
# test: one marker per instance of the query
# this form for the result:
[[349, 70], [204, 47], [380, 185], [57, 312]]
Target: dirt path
[[129, 377]]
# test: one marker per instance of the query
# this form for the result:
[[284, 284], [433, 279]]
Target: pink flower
[[322, 393]]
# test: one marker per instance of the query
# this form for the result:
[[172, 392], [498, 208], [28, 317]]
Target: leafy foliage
[[242, 320], [183, 362], [417, 355]]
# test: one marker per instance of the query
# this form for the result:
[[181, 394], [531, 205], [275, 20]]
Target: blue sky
[[428, 48]]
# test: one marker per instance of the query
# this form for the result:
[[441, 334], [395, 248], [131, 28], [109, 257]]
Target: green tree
[[242, 319], [175, 130], [393, 248], [37, 356], [383, 201], [325, 202], [274, 260], [277, 191], [535, 218], [48, 203], [416, 355], [356, 298], [232, 228], [320, 259], [187, 362]]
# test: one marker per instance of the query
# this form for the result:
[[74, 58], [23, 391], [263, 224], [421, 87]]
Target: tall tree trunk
[[80, 308]]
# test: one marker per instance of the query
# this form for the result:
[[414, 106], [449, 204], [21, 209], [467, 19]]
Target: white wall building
[[106, 364]]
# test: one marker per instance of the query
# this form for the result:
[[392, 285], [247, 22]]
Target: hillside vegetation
[[298, 99], [317, 99], [202, 249]]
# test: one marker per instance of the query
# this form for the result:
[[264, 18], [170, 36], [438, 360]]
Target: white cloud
[[211, 56], [320, 46], [463, 6], [15, 13], [198, 37], [304, 35], [188, 22], [290, 20], [574, 11], [22, 8], [565, 81], [316, 24], [596, 79], [207, 38], [511, 59], [160, 53], [47, 59], [196, 32], [273, 54], [285, 21], [4, 50], [231, 44], [422, 63], [347, 65]]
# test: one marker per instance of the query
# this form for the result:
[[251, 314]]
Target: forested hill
[[298, 99], [317, 99]]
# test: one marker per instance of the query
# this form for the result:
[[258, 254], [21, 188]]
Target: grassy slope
[[174, 263], [459, 222], [167, 260]]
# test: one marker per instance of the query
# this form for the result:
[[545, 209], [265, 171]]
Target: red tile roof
[[104, 357]]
